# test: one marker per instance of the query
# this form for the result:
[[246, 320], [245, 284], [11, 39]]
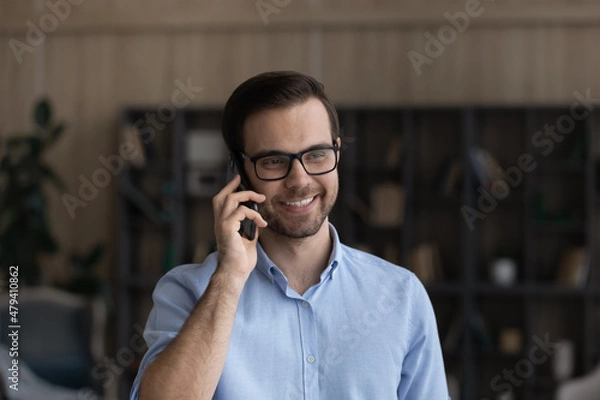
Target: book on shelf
[[137, 157], [450, 178], [145, 153], [574, 267], [387, 205], [485, 167], [394, 152], [426, 262]]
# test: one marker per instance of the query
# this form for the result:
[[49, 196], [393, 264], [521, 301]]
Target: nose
[[297, 177]]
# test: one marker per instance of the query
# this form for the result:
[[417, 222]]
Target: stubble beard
[[301, 226]]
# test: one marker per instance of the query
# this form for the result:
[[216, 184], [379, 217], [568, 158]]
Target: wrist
[[231, 280]]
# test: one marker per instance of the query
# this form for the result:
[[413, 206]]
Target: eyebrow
[[263, 153]]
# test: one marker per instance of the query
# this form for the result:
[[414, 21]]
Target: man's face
[[298, 205]]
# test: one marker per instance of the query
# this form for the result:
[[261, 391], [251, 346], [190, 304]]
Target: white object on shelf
[[205, 148], [503, 271]]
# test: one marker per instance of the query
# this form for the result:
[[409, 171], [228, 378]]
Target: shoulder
[[190, 277], [368, 264], [379, 275]]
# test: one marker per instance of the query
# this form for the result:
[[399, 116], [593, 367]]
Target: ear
[[339, 144]]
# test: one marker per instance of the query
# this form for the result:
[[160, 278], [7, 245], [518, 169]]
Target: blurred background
[[471, 156]]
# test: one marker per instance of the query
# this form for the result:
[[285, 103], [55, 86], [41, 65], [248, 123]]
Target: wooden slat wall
[[115, 53]]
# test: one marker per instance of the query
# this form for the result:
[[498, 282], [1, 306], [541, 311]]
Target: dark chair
[[61, 335]]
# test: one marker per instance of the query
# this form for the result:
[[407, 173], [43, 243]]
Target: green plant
[[25, 233]]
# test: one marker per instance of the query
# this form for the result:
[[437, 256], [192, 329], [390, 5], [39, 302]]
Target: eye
[[272, 162], [316, 155]]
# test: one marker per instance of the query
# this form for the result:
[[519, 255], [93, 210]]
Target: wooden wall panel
[[109, 16], [366, 67], [14, 14], [81, 84], [18, 84], [483, 66], [221, 61], [117, 53], [143, 66]]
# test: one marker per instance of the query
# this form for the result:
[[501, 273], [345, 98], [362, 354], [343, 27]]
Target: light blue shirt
[[366, 331]]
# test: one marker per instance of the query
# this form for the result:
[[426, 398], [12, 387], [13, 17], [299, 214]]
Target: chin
[[296, 229]]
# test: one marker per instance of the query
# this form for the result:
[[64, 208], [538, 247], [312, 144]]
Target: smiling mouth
[[300, 203]]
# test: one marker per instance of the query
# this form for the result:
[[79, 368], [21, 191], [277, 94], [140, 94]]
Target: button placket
[[310, 348]]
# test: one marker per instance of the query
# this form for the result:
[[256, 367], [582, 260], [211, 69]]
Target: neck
[[301, 260]]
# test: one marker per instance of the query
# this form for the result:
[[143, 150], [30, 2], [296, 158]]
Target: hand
[[236, 254]]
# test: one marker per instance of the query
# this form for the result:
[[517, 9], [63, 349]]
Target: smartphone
[[248, 227]]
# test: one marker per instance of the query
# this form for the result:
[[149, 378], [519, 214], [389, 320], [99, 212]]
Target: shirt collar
[[270, 270]]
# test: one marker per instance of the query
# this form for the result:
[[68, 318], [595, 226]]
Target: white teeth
[[300, 203]]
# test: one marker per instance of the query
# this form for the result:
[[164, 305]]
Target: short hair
[[270, 90]]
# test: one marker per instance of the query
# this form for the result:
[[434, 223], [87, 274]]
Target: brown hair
[[271, 90]]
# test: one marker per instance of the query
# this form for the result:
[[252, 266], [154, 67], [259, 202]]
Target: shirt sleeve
[[423, 375], [173, 303]]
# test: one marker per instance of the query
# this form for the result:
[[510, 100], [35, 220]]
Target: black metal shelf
[[562, 167], [533, 290], [445, 288], [429, 216], [140, 282], [568, 227]]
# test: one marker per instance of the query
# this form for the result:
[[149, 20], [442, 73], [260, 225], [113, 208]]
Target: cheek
[[269, 189]]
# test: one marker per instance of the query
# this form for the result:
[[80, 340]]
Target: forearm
[[191, 365]]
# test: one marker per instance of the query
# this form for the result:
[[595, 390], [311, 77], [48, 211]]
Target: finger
[[234, 200], [233, 222], [245, 212], [229, 188]]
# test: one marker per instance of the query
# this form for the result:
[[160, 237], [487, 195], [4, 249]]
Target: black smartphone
[[248, 227]]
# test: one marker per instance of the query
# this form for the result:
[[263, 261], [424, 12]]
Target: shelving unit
[[404, 150]]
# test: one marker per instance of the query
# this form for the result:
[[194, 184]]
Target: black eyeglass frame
[[292, 157]]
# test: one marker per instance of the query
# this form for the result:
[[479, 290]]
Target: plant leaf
[[35, 147], [46, 241], [95, 255], [56, 132], [47, 172], [42, 113], [15, 142], [75, 260]]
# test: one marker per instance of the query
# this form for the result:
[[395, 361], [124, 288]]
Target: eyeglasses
[[277, 165]]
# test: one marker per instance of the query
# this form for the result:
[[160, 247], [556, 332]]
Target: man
[[293, 313]]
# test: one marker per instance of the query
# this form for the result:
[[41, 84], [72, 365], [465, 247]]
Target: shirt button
[[310, 359], [304, 303]]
